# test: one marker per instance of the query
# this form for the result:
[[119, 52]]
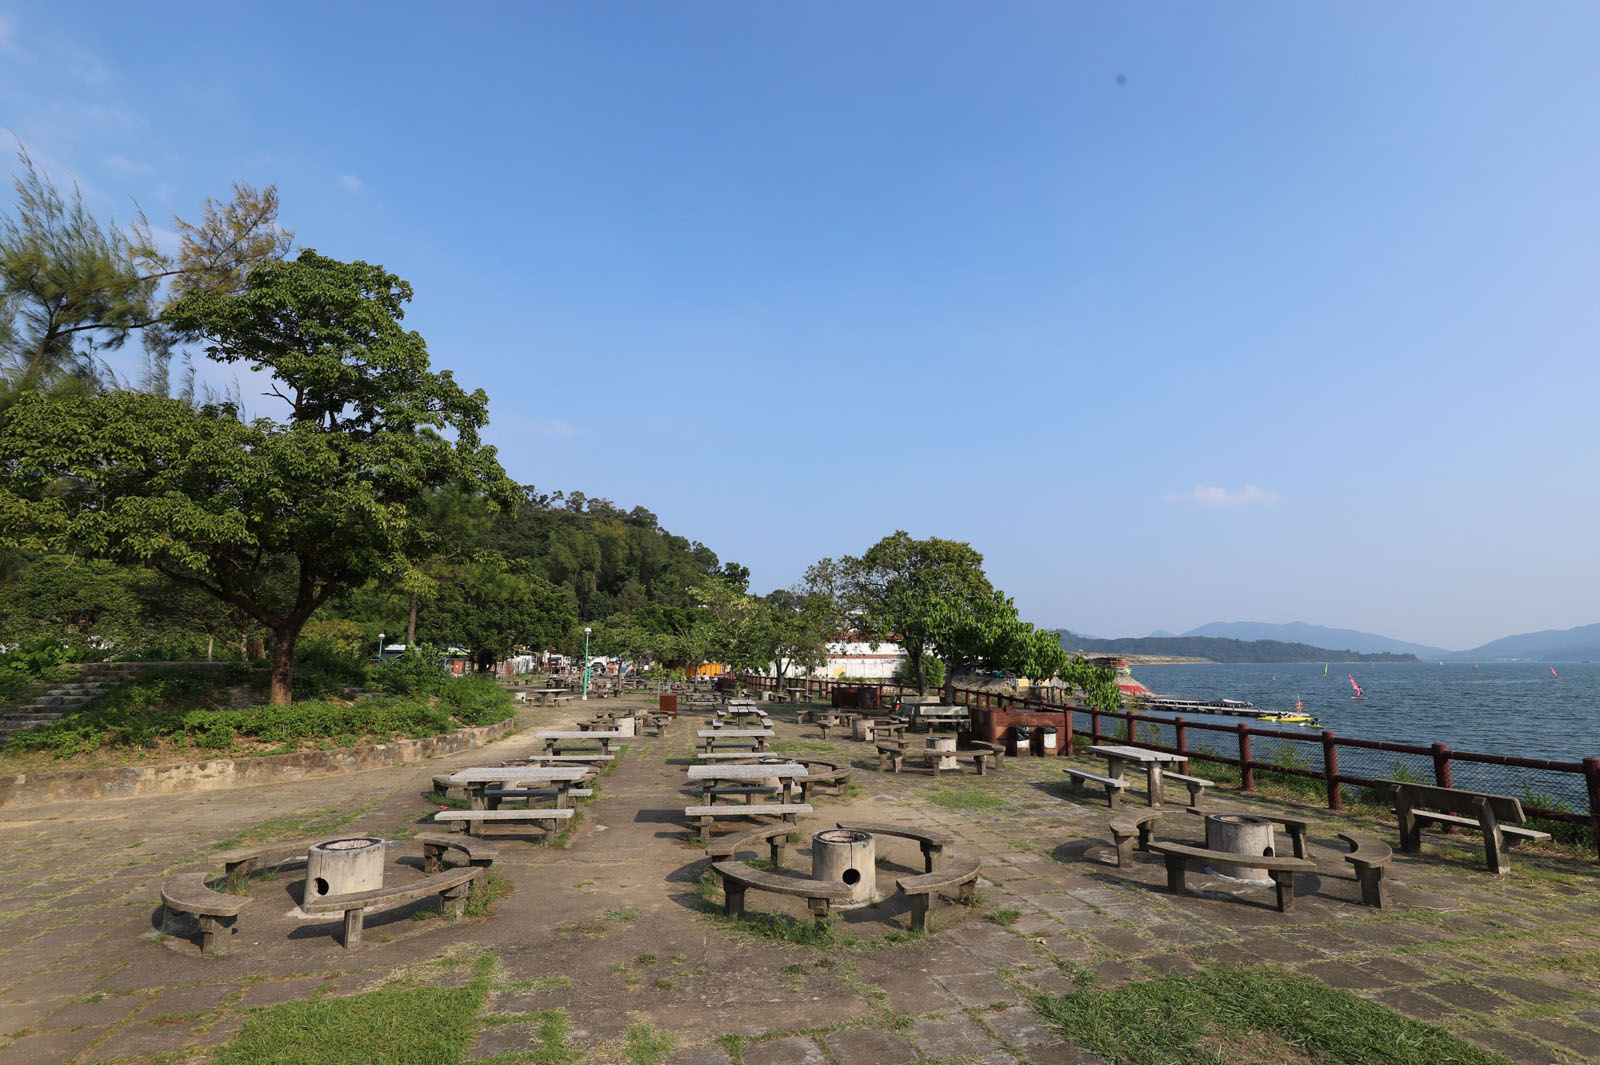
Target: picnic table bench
[[555, 738], [1127, 825], [452, 886], [1114, 786], [923, 890], [1119, 756], [752, 738], [214, 911], [1496, 816], [776, 839], [1369, 858], [473, 820], [737, 878], [505, 780], [1178, 857]]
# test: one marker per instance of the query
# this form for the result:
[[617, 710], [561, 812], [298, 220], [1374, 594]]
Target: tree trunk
[[916, 671], [411, 623], [211, 643], [280, 692]]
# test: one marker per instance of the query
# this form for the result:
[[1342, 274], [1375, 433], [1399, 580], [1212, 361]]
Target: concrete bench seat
[[453, 887], [239, 862], [932, 841], [998, 750], [1369, 858], [473, 819], [1129, 825], [1197, 786], [1112, 785], [1178, 857], [214, 911], [535, 793], [1497, 817], [435, 845], [703, 816], [775, 838], [567, 758], [737, 878], [960, 874], [891, 756]]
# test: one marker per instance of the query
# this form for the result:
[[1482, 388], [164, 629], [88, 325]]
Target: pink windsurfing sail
[[1553, 672], [1353, 684]]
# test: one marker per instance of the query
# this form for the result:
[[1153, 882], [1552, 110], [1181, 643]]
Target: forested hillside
[[1219, 650]]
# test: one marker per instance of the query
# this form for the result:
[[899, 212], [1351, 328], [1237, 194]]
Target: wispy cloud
[[350, 182], [8, 33], [1211, 496]]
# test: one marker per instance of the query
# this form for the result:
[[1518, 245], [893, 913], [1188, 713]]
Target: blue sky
[[1178, 313]]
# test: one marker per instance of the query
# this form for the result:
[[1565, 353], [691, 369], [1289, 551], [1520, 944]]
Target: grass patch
[[1004, 918], [1248, 1015], [643, 1045], [622, 915], [277, 828], [489, 889], [540, 983], [390, 1026], [967, 799]]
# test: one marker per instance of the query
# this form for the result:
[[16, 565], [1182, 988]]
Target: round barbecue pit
[[341, 866], [846, 856], [1238, 834]]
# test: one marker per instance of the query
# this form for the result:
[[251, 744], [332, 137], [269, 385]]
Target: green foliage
[[420, 671], [1198, 1018], [190, 710], [492, 608], [967, 799], [932, 672]]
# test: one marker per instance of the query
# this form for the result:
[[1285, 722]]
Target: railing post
[[1591, 777], [1133, 724], [1441, 766], [1247, 773], [1094, 725], [1330, 770], [1068, 711], [1180, 739]]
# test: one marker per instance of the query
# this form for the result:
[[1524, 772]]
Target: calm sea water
[[1517, 709]]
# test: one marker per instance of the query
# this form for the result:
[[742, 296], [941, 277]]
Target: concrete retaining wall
[[122, 782]]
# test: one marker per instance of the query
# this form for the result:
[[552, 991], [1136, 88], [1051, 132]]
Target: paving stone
[[1413, 1003], [868, 1046], [1403, 972], [999, 1057], [1345, 975], [1169, 964], [1036, 924], [272, 992], [1063, 1054], [1020, 1026], [976, 989], [53, 984], [1514, 1047], [182, 1001], [790, 1050], [1581, 1040], [1120, 940], [948, 1039], [503, 1039], [1530, 990], [710, 1054], [1280, 949], [102, 1014], [1466, 996], [48, 1048], [141, 1041], [1049, 981]]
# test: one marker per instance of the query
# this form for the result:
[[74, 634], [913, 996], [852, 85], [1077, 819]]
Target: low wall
[[215, 774]]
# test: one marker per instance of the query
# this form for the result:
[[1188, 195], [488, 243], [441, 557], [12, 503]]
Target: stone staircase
[[68, 696]]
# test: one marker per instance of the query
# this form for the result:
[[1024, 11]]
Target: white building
[[855, 658]]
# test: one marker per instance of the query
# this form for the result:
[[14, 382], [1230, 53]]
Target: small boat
[[1359, 695], [1292, 719]]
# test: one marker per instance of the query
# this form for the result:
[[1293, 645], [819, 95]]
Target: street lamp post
[[380, 647], [586, 631]]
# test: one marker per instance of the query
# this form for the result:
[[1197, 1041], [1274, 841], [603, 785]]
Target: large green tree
[[492, 610], [272, 516], [913, 591]]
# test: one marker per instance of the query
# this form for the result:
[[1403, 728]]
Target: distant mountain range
[[1316, 636], [1315, 643], [1215, 649]]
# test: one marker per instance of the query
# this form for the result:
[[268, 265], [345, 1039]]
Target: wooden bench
[[473, 819], [703, 816], [824, 774], [891, 756], [213, 911], [1197, 786], [1369, 857], [776, 839], [453, 886], [1114, 787], [737, 878], [479, 852], [1496, 816], [931, 840], [923, 891], [1281, 870], [1129, 825]]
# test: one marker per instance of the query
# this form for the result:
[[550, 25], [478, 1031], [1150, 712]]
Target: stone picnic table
[[1118, 756], [785, 773], [477, 780], [754, 737], [554, 738]]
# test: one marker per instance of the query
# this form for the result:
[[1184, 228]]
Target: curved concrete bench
[[932, 841], [776, 839], [827, 774], [453, 886], [738, 878], [189, 893], [479, 852], [1369, 857], [240, 862], [923, 890], [1282, 870], [1128, 825]]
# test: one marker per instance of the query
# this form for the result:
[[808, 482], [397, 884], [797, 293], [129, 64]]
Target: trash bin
[[1046, 739], [1021, 741]]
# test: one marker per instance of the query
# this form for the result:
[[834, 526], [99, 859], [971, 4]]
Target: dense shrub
[[190, 710], [420, 671], [322, 669], [34, 660]]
